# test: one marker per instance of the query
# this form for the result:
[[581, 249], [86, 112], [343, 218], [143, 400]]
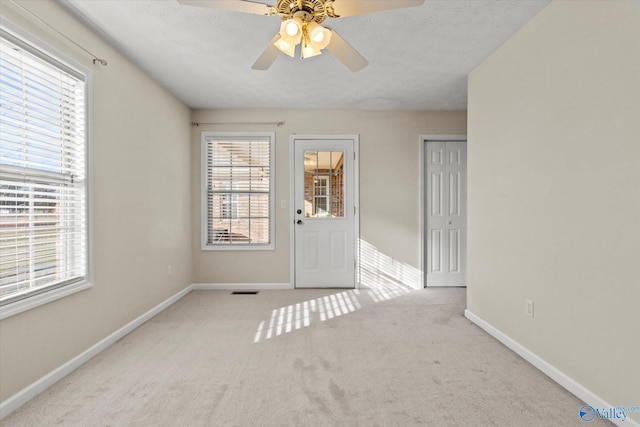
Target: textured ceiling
[[419, 58]]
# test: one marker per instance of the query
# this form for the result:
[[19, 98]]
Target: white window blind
[[43, 210], [237, 195]]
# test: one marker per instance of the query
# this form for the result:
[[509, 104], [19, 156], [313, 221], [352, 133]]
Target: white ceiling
[[419, 58]]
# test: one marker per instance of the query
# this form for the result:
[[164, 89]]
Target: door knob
[[299, 221]]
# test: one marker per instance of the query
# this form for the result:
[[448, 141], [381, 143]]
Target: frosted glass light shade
[[308, 50], [286, 47], [319, 37], [291, 30]]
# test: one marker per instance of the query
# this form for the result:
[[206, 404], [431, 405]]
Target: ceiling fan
[[300, 25]]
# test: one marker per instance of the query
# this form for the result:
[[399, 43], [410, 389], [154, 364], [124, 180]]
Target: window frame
[[204, 220], [56, 58]]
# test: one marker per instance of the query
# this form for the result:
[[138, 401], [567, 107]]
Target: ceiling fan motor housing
[[306, 10]]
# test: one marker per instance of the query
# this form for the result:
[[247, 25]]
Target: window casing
[[237, 191], [44, 245]]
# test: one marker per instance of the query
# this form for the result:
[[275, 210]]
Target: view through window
[[43, 185], [324, 184], [238, 190]]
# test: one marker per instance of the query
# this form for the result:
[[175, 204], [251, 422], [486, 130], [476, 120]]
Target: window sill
[[41, 299], [270, 247]]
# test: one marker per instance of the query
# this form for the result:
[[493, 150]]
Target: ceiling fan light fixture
[[319, 36], [286, 47], [291, 30], [308, 51]]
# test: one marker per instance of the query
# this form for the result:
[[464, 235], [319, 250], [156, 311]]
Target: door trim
[[356, 200], [424, 239]]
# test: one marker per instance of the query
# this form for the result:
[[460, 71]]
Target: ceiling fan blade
[[359, 7], [268, 56], [346, 53], [233, 5]]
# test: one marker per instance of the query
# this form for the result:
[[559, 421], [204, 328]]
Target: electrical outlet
[[169, 271], [529, 307]]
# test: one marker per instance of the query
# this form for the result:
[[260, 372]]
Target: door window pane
[[324, 184]]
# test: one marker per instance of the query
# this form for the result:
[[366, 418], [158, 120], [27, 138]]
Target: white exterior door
[[446, 213], [324, 213]]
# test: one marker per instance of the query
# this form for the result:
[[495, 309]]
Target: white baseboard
[[240, 286], [31, 391], [552, 372]]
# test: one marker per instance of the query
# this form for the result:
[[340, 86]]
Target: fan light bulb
[[292, 28], [318, 37]]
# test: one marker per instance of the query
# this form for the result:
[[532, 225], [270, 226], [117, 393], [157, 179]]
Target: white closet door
[[446, 213]]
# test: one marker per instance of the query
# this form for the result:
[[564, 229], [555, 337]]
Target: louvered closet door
[[446, 215]]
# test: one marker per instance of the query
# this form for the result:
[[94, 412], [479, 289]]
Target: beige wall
[[389, 183], [141, 210], [554, 192]]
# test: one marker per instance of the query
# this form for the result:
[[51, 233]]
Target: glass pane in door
[[324, 184]]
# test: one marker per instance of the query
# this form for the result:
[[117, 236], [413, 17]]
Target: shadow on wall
[[381, 277]]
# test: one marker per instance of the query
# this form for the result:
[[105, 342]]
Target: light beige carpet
[[383, 357]]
